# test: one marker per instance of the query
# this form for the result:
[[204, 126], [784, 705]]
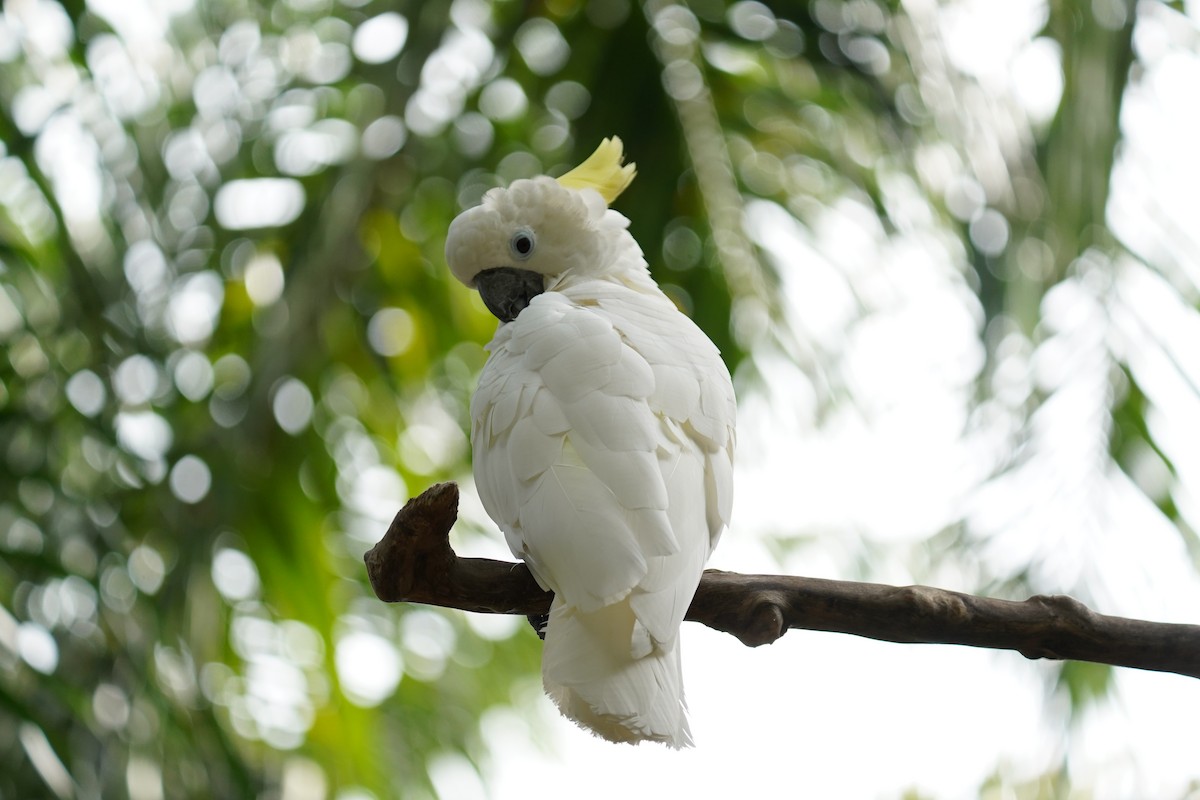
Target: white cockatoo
[[603, 436]]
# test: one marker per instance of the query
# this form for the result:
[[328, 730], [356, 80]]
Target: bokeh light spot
[[231, 376], [117, 590], [144, 779], [473, 134], [234, 574], [258, 203], [193, 375], [989, 232], [216, 92], [194, 307], [869, 53], [292, 405], [380, 38], [37, 647], [677, 25], [375, 492], [307, 151], [264, 279], [145, 267], [390, 331], [682, 247], [682, 80], [85, 391], [23, 536], [384, 137], [135, 380], [144, 433], [110, 706], [429, 640], [568, 98], [31, 107], [542, 46], [369, 667], [146, 567], [303, 779], [503, 100], [752, 20], [190, 479]]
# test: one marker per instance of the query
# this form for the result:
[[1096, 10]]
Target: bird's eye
[[521, 244]]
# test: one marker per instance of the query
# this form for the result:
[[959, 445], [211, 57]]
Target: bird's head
[[523, 239]]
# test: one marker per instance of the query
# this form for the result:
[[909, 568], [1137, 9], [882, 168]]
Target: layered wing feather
[[603, 446], [592, 401]]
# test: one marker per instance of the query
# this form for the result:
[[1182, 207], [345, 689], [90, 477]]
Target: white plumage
[[603, 435]]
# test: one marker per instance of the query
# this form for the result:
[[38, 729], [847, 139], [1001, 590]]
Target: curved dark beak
[[507, 290]]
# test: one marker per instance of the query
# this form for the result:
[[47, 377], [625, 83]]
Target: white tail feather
[[590, 671]]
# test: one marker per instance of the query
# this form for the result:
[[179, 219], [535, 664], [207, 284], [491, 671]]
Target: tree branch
[[415, 563]]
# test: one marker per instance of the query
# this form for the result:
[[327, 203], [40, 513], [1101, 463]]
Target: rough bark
[[415, 563]]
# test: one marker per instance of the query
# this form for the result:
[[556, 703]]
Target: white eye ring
[[521, 244]]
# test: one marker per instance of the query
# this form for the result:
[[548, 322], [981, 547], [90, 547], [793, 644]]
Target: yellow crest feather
[[602, 171]]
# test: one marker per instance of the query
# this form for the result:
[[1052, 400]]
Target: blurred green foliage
[[217, 388]]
